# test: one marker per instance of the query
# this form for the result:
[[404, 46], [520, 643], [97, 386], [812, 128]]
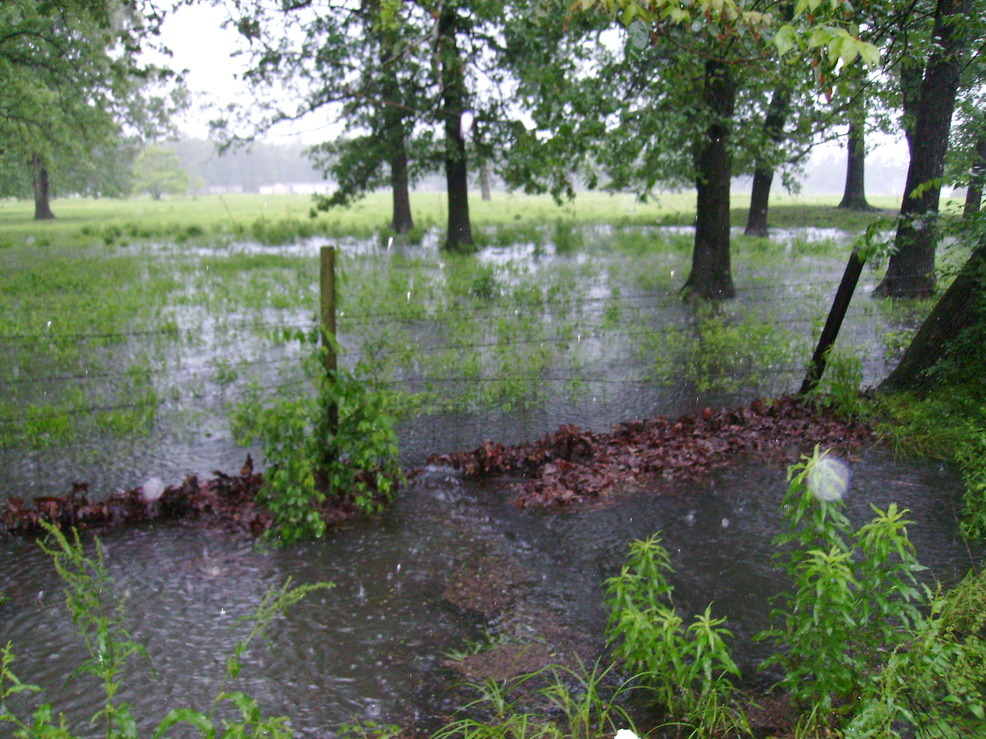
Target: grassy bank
[[283, 218]]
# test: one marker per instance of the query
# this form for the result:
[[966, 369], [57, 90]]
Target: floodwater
[[375, 646]]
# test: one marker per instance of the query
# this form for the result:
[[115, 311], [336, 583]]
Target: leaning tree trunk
[[42, 190], [974, 193], [960, 307], [854, 193], [763, 175], [911, 268], [711, 274], [453, 105]]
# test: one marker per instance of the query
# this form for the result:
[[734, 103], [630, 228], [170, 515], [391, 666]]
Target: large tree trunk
[[911, 74], [763, 176], [960, 307], [854, 193], [974, 193], [42, 190], [711, 275], [459, 234], [911, 269]]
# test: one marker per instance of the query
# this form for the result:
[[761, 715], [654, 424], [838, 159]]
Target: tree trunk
[[394, 131], [756, 219], [42, 190], [974, 193], [763, 176], [711, 274], [911, 269], [402, 221], [911, 74], [854, 194], [459, 234], [484, 179], [959, 308]]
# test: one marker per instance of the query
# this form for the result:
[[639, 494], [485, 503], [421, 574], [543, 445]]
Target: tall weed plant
[[689, 667], [100, 620]]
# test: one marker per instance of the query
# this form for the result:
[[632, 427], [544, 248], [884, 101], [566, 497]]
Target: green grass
[[280, 218]]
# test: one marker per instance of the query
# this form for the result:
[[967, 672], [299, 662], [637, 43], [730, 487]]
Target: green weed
[[688, 667], [100, 621]]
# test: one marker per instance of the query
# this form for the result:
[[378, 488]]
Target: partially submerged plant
[[689, 668], [100, 621]]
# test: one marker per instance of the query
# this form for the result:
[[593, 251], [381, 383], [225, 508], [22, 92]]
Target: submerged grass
[[103, 338]]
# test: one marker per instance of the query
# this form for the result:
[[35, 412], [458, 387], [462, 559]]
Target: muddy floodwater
[[452, 571], [377, 646]]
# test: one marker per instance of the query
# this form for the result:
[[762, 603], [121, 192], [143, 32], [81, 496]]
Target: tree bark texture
[[974, 192], [459, 234], [911, 269], [960, 307], [854, 193], [911, 74], [711, 273], [42, 190], [763, 175]]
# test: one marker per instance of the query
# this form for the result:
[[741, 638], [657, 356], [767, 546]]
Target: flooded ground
[[510, 344], [381, 645], [377, 646]]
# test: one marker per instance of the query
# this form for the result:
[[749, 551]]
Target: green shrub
[[337, 445], [855, 597]]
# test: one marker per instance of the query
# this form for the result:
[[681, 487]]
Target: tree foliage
[[159, 171], [75, 94]]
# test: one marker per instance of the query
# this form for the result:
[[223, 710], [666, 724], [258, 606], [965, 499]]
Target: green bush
[[689, 668], [337, 445]]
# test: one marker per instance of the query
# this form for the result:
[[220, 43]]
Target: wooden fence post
[[327, 284]]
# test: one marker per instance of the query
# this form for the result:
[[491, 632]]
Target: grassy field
[[282, 218]]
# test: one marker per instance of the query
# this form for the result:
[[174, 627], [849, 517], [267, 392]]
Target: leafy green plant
[[839, 387], [933, 686], [854, 594], [339, 445], [688, 667], [100, 621]]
